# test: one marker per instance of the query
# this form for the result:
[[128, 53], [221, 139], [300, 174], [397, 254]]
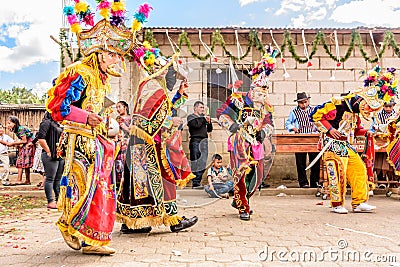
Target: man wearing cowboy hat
[[299, 122]]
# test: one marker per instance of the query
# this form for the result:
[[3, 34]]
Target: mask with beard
[[259, 95], [109, 63]]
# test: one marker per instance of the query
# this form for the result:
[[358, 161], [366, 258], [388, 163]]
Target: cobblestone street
[[295, 230]]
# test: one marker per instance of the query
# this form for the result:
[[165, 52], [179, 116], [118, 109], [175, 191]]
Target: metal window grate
[[218, 79]]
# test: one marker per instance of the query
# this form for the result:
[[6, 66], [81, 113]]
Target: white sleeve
[[8, 139]]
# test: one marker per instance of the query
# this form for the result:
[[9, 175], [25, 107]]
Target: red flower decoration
[[309, 64], [283, 60], [338, 64], [215, 59]]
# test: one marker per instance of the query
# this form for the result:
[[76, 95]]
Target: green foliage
[[288, 43], [65, 46], [19, 95], [254, 41]]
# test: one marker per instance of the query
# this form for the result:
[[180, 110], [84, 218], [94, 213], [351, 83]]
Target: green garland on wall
[[254, 41]]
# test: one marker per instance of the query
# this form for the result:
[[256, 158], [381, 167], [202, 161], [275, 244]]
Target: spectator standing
[[4, 155], [299, 123], [48, 136], [124, 121], [199, 125], [26, 152]]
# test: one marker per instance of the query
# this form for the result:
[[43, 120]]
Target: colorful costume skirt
[[147, 195], [87, 188]]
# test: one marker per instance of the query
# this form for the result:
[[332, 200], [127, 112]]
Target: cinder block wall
[[319, 85]]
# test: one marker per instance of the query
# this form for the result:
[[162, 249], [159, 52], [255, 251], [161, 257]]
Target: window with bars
[[218, 79]]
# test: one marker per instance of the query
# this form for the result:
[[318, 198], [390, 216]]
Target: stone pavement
[[295, 230]]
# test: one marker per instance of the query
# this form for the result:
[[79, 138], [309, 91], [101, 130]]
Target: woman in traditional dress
[[26, 150]]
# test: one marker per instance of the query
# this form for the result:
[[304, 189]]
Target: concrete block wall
[[320, 84]]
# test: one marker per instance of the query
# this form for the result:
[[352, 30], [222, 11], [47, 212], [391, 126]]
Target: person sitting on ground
[[218, 183]]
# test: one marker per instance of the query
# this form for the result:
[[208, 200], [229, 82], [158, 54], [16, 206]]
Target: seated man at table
[[299, 123]]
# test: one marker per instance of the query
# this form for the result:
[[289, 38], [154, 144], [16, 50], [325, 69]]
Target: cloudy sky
[[29, 58]]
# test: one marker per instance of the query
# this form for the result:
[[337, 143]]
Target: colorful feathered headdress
[[150, 59], [264, 68], [110, 33], [379, 87]]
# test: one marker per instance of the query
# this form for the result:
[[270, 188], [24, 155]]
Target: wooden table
[[291, 143]]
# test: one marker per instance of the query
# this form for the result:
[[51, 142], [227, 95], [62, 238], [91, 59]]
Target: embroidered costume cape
[[155, 161], [87, 187], [246, 153]]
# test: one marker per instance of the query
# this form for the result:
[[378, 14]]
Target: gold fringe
[[117, 149], [142, 134], [81, 200], [183, 182], [62, 226], [165, 164], [67, 228], [329, 155], [86, 239], [172, 220], [61, 198], [139, 223]]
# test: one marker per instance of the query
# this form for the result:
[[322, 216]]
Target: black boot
[[244, 216], [126, 230], [183, 224]]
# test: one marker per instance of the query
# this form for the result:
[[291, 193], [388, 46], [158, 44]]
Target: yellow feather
[[76, 28], [386, 98], [136, 25], [81, 7], [146, 44], [394, 84], [105, 13], [116, 6]]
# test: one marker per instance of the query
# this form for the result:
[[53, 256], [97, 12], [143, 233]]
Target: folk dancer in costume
[[245, 116], [340, 120], [379, 125], [155, 161], [87, 190]]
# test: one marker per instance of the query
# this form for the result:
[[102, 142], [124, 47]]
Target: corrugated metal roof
[[22, 107]]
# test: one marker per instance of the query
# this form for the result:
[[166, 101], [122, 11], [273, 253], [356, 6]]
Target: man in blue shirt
[[299, 123]]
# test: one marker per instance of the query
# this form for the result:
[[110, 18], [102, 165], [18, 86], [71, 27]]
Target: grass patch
[[14, 205]]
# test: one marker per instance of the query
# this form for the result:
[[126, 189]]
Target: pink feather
[[119, 13], [104, 4], [145, 9], [72, 19]]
